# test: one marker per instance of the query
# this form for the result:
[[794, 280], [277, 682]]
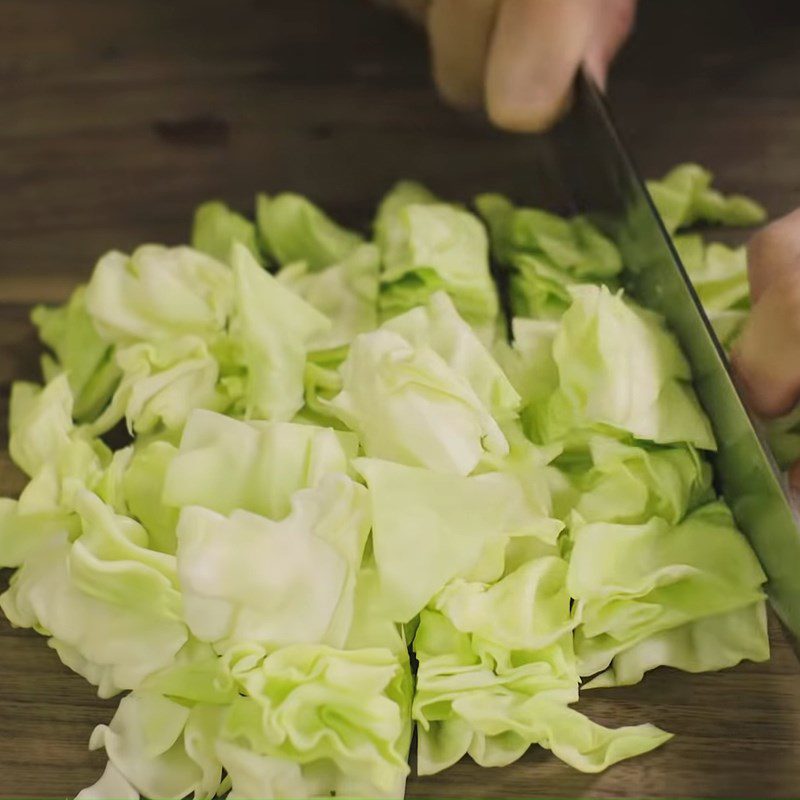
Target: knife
[[605, 184]]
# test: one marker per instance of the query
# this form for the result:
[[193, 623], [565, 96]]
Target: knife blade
[[605, 184]]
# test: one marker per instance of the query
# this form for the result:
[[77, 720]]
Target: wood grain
[[120, 115]]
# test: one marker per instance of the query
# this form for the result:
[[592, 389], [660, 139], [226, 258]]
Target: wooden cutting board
[[120, 116]]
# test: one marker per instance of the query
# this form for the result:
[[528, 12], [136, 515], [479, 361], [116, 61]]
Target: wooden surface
[[118, 116]]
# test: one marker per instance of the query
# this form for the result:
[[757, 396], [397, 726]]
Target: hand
[[767, 356], [519, 57]]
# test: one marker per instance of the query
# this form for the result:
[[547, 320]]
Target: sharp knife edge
[[605, 183]]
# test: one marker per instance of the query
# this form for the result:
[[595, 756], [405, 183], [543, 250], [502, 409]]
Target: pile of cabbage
[[295, 495]]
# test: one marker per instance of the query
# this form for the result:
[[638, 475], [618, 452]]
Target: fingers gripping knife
[[603, 182]]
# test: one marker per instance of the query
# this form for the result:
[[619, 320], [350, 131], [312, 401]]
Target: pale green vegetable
[[132, 483], [718, 272], [528, 359], [439, 326], [112, 783], [619, 367], [526, 469], [217, 228], [162, 383], [631, 484], [304, 588], [574, 246], [546, 254], [684, 196], [408, 405], [530, 366], [109, 603], [538, 289], [719, 276], [225, 464], [302, 721], [346, 293], [369, 627], [632, 582], [336, 721], [428, 245], [160, 747], [389, 233], [61, 462], [710, 643], [294, 229], [143, 485], [335, 464], [22, 534], [271, 328], [525, 610], [493, 702], [78, 351], [437, 526], [158, 293], [40, 423]]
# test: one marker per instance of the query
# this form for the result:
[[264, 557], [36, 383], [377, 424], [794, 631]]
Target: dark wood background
[[118, 116]]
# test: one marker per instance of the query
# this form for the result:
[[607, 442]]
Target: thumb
[[767, 356]]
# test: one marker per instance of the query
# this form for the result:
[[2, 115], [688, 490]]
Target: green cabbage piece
[[369, 627], [718, 272], [162, 383], [406, 404], [217, 228], [334, 721], [628, 483], [143, 486], [433, 525], [427, 245], [709, 643], [684, 196], [439, 326], [132, 484], [300, 721], [528, 362], [294, 229], [79, 352], [112, 783], [487, 698], [159, 747], [225, 464], [158, 293], [546, 255], [573, 246], [304, 590], [60, 461], [346, 293], [719, 276], [485, 610], [538, 289], [40, 423], [670, 577], [270, 330], [619, 367], [388, 234], [110, 604]]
